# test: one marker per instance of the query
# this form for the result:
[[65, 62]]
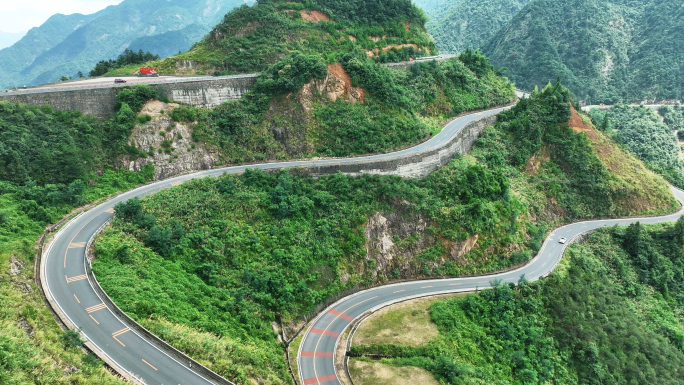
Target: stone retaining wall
[[101, 101]]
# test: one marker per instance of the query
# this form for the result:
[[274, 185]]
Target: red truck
[[148, 71]]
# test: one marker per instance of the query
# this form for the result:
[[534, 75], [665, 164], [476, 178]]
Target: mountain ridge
[[67, 44]]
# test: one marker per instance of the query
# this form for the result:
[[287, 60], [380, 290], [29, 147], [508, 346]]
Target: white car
[[562, 241]]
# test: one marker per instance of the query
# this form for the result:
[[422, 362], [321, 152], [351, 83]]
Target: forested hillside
[[611, 314], [321, 91], [650, 135], [604, 51], [65, 45], [458, 25], [244, 251], [50, 163], [252, 38]]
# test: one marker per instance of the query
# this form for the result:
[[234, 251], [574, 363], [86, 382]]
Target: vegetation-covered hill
[[52, 161], [211, 264], [604, 51], [458, 25], [251, 38], [611, 314], [321, 90], [65, 45]]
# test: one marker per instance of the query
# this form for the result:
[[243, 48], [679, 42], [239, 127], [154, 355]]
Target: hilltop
[[321, 91], [251, 38], [67, 44]]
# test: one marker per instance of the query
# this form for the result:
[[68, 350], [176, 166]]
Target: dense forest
[[604, 51], [611, 314], [458, 25], [216, 261]]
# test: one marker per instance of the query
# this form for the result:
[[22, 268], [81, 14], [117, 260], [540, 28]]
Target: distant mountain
[[64, 45], [604, 50], [9, 38], [457, 24]]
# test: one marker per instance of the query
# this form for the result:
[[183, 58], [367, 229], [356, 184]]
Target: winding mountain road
[[75, 299], [316, 354]]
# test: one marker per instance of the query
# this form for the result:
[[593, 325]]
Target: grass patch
[[376, 373], [406, 323]]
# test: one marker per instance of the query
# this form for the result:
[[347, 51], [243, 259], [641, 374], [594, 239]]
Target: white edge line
[[85, 258], [547, 241]]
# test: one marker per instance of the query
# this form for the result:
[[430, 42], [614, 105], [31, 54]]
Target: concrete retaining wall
[[101, 101], [413, 166]]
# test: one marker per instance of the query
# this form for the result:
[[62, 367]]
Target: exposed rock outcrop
[[394, 240], [168, 144]]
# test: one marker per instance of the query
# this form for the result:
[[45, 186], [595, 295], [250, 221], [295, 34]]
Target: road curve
[[72, 294], [316, 356]]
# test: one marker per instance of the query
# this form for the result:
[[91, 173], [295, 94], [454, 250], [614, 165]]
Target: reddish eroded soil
[[578, 125], [602, 147], [532, 166], [340, 73], [386, 49], [314, 16], [357, 93]]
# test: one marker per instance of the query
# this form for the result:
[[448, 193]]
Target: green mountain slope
[[247, 250], [459, 25], [252, 38], [610, 314], [19, 56], [604, 51], [67, 44]]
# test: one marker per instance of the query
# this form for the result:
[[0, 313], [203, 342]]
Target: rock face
[[394, 241], [168, 144], [290, 117]]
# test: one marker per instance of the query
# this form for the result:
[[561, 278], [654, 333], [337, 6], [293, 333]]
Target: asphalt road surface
[[73, 293], [316, 353], [108, 82]]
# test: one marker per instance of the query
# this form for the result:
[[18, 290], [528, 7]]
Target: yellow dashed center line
[[94, 319], [455, 284], [150, 365], [398, 291], [76, 298], [120, 332], [426, 287]]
